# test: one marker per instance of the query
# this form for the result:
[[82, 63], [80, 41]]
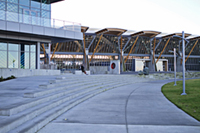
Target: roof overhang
[[54, 1], [111, 31], [180, 34], [194, 38], [84, 29], [146, 33]]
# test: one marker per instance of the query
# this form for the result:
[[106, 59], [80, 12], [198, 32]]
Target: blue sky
[[167, 16]]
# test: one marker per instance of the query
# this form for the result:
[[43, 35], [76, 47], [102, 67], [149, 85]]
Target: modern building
[[30, 39], [134, 49], [25, 26]]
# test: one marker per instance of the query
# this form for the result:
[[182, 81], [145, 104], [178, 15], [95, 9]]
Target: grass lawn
[[189, 103]]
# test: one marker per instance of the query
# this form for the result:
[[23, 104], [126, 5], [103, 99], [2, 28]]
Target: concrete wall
[[39, 30], [5, 72], [99, 70]]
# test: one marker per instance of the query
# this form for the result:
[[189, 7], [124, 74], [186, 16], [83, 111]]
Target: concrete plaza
[[138, 107]]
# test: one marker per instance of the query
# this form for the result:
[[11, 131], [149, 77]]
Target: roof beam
[[54, 51], [96, 48], [191, 50], [131, 49], [163, 49]]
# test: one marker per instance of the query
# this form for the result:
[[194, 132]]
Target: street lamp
[[183, 62]]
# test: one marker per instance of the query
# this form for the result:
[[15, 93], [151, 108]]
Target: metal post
[[38, 55], [183, 62], [174, 66]]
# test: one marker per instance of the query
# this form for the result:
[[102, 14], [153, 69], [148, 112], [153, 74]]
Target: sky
[[166, 16]]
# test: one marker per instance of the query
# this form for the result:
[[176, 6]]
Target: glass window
[[13, 47], [13, 1], [11, 16], [22, 60], [2, 14], [3, 59], [24, 2], [2, 5], [21, 8], [26, 61], [37, 11], [13, 59], [46, 5], [35, 3], [3, 46], [33, 48], [46, 14], [33, 61], [12, 7], [27, 48]]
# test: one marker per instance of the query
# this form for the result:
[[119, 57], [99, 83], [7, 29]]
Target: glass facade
[[21, 56], [26, 11]]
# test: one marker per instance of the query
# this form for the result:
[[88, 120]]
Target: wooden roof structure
[[146, 33], [84, 29], [111, 31], [180, 34]]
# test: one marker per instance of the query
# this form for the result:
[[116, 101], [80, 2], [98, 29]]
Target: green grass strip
[[189, 103]]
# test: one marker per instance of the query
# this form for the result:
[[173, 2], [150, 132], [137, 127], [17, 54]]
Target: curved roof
[[146, 33], [180, 34], [111, 31], [194, 38]]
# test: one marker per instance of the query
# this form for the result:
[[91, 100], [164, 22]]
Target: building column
[[121, 61], [87, 61], [152, 61], [38, 56], [49, 50]]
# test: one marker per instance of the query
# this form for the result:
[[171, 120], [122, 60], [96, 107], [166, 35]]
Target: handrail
[[39, 21]]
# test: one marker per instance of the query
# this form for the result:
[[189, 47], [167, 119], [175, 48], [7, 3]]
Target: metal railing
[[39, 21]]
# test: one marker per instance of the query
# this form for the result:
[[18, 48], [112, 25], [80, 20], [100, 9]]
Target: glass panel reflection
[[26, 63], [13, 59], [3, 59], [12, 7], [13, 1], [24, 2], [2, 5], [33, 61], [13, 47], [3, 46], [33, 48], [26, 47]]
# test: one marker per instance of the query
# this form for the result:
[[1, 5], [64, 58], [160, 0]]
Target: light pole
[[183, 61]]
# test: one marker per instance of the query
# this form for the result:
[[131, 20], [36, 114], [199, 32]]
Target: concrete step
[[34, 124], [54, 89], [62, 83], [32, 113], [18, 108]]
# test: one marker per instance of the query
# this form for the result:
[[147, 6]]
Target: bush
[[13, 77], [8, 78], [1, 79]]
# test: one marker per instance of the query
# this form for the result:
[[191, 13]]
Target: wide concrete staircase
[[38, 107]]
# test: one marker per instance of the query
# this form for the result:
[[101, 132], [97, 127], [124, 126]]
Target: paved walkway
[[136, 108]]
